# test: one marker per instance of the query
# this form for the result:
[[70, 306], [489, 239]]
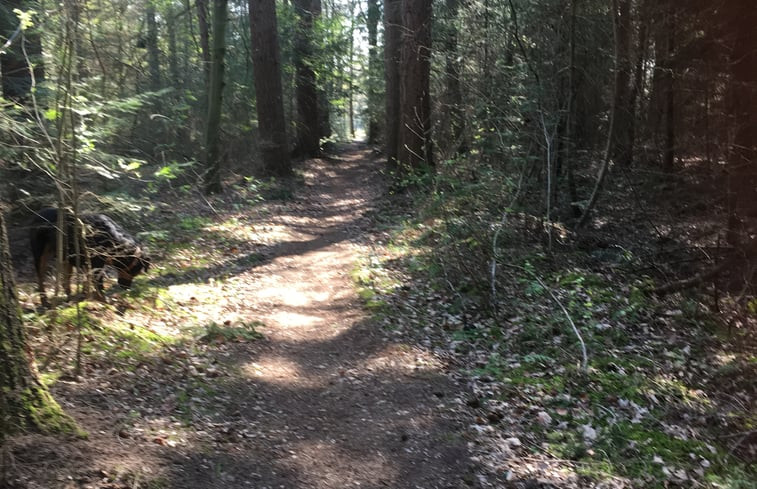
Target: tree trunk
[[324, 122], [308, 143], [351, 71], [215, 99], [173, 50], [24, 402], [638, 79], [266, 62], [612, 127], [742, 161], [392, 45], [202, 22], [668, 159], [374, 126], [454, 100], [17, 79], [153, 52], [622, 147], [571, 114], [414, 150]]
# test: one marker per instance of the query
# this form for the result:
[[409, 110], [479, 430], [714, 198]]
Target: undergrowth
[[667, 398]]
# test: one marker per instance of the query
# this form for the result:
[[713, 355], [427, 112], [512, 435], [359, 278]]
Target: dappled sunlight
[[402, 359], [350, 468], [294, 295], [272, 233], [290, 319], [274, 369]]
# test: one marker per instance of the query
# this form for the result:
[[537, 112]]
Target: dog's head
[[139, 263]]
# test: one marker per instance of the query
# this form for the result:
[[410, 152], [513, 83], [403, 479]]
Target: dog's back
[[105, 241]]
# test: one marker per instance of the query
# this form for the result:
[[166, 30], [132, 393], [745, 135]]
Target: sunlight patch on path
[[288, 319], [350, 469], [273, 369]]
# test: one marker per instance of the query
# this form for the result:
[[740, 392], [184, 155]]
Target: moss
[[43, 413]]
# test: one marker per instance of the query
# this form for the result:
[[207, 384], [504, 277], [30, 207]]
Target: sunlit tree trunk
[[266, 61]]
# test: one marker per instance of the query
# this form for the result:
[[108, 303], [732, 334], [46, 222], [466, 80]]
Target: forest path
[[328, 399]]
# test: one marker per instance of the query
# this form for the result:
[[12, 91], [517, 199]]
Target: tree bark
[[173, 51], [604, 170], [308, 143], [374, 113], [669, 149], [454, 100], [202, 22], [742, 161], [392, 44], [25, 403], [622, 147], [414, 151], [153, 52], [266, 61], [215, 99]]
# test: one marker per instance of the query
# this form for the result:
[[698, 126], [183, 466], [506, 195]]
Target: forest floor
[[323, 333]]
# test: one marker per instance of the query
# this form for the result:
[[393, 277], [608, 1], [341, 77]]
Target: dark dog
[[105, 242]]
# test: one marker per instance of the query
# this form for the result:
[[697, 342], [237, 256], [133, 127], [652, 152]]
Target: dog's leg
[[40, 266], [67, 270], [99, 276]]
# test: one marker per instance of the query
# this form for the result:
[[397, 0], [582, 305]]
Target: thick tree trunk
[[662, 97], [17, 79], [24, 402], [308, 143], [742, 162], [266, 62], [414, 151], [215, 99], [374, 126], [392, 44]]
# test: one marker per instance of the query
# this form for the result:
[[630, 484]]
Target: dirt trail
[[332, 401], [328, 399]]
